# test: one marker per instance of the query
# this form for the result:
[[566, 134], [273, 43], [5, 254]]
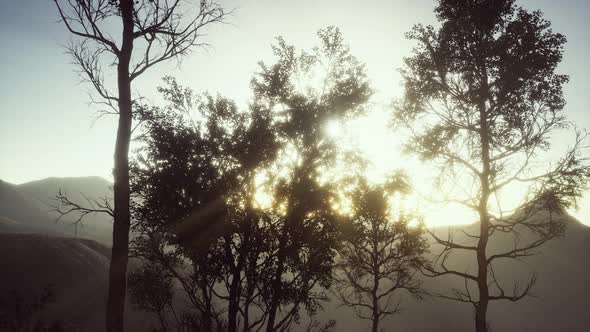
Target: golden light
[[262, 198], [334, 129], [372, 135], [382, 147], [582, 212]]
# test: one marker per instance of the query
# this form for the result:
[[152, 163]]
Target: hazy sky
[[46, 122]]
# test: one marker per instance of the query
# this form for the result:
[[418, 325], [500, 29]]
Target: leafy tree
[[195, 182], [198, 178], [482, 98], [381, 253], [306, 89], [151, 31]]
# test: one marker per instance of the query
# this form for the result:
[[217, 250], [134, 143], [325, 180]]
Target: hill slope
[[76, 268], [26, 213]]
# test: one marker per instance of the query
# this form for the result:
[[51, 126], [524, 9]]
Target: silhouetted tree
[[151, 290], [481, 100], [160, 30], [195, 181], [307, 89], [64, 206], [381, 252]]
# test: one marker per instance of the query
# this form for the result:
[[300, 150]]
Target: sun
[[382, 147]]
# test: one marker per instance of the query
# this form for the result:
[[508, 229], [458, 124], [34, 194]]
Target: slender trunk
[[482, 263], [249, 291], [251, 288], [482, 281], [375, 290], [234, 297], [293, 219], [206, 320], [232, 311], [118, 265], [375, 306], [250, 253], [276, 283], [375, 323]]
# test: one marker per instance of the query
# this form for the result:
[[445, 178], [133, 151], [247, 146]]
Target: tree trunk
[[234, 297], [375, 312], [482, 263], [119, 255], [276, 284], [482, 283], [376, 270], [207, 318]]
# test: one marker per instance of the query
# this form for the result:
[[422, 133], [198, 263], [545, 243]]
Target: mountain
[[31, 207], [76, 271], [93, 187], [23, 212]]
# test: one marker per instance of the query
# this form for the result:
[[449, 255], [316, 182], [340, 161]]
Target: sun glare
[[582, 212], [334, 129], [382, 148], [372, 135]]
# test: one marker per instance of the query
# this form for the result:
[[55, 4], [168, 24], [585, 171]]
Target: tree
[[482, 98], [381, 253], [195, 180], [307, 89], [151, 289], [198, 180], [160, 30]]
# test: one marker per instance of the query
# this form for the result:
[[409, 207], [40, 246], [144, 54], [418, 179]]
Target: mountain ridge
[[32, 206]]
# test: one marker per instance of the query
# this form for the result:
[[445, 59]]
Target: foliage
[[194, 181], [197, 177], [306, 89]]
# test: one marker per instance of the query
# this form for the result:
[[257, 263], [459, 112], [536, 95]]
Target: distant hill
[[30, 206], [76, 187], [25, 213], [76, 268], [8, 225]]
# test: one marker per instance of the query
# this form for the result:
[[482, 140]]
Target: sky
[[47, 127]]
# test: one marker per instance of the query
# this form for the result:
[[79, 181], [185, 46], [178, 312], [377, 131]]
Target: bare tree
[[482, 98], [158, 30], [65, 206], [380, 255]]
